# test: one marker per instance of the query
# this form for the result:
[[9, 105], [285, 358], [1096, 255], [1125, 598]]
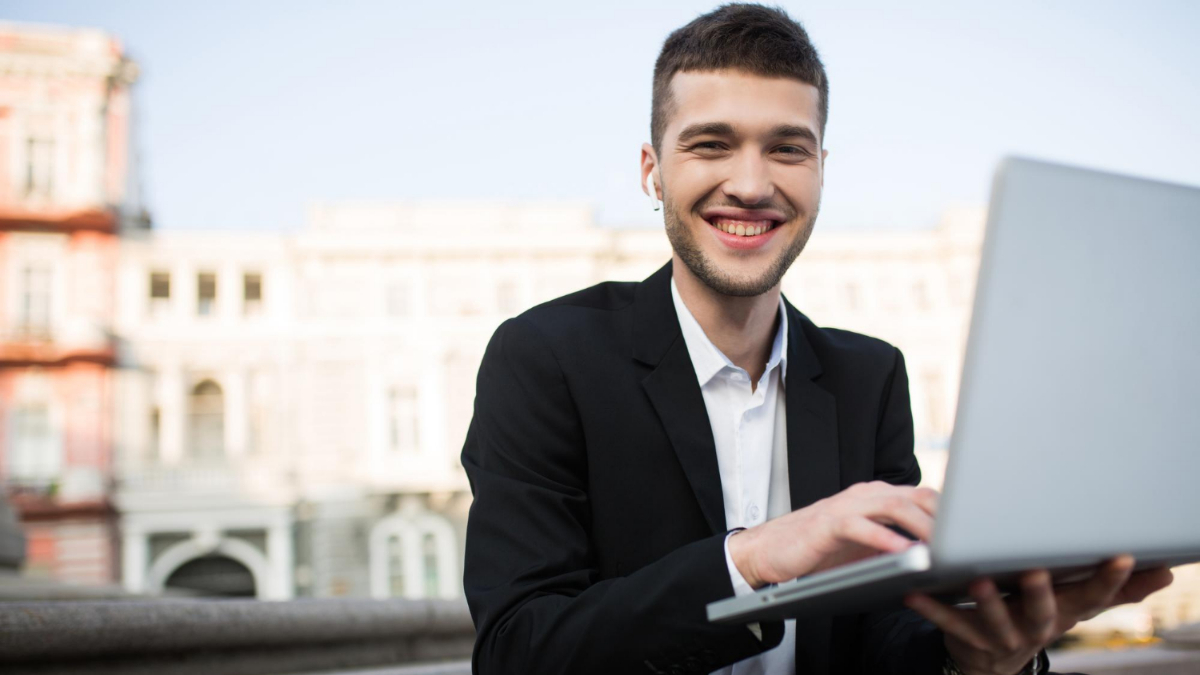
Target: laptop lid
[[1078, 426]]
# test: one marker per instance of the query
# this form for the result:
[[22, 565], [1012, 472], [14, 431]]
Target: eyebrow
[[725, 129]]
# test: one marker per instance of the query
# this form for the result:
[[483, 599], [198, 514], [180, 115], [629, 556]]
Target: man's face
[[740, 153]]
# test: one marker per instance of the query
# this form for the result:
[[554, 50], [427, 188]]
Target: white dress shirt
[[750, 432]]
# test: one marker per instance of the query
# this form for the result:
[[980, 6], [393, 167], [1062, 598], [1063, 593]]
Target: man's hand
[[843, 528], [1001, 635]]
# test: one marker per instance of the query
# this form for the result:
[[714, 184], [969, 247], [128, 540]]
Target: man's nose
[[750, 182]]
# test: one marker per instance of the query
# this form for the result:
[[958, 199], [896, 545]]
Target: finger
[[924, 497], [1142, 584], [997, 620], [952, 621], [1039, 608], [900, 509], [864, 531], [1097, 593], [927, 498]]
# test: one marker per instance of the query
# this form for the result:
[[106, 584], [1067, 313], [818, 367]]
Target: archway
[[213, 575], [240, 551]]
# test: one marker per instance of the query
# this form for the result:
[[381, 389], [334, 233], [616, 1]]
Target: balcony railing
[[227, 476], [33, 344]]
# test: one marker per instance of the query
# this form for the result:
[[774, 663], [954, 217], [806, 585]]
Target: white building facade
[[294, 405]]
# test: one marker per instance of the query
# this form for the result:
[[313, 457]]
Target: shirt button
[[752, 513]]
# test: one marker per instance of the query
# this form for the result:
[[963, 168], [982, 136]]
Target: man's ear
[[649, 164], [824, 154]]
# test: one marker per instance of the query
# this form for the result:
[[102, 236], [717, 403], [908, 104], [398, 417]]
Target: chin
[[737, 280]]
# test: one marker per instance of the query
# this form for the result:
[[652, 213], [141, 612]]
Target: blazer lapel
[[813, 468], [675, 393], [812, 438]]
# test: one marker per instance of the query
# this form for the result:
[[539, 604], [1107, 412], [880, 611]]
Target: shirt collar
[[708, 360]]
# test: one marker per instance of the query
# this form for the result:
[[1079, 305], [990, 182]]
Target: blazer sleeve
[[530, 573], [899, 641]]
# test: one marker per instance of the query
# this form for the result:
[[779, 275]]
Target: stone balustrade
[[227, 637], [337, 637]]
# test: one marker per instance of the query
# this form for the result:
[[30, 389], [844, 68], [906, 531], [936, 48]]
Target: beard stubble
[[683, 241]]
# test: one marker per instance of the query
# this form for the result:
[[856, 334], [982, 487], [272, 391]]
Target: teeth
[[743, 228]]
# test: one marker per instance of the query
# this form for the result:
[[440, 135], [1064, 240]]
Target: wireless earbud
[[654, 203]]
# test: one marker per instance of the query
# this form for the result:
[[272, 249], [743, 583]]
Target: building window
[[33, 318], [160, 292], [412, 556], [39, 175], [429, 560], [206, 293], [395, 566], [36, 456], [402, 419], [206, 428], [155, 431], [252, 294]]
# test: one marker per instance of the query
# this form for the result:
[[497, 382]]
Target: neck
[[743, 328]]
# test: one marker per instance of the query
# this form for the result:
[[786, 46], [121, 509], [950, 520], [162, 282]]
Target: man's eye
[[707, 145], [793, 150]]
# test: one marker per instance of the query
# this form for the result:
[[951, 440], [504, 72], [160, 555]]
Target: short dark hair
[[752, 38]]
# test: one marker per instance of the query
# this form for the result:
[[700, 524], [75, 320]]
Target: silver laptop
[[1077, 435]]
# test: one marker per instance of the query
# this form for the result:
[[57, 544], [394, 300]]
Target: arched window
[[206, 423], [413, 555]]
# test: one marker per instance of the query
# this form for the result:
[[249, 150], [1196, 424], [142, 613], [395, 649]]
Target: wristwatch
[[1038, 666]]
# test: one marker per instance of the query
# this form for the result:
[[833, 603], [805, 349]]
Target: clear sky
[[250, 110]]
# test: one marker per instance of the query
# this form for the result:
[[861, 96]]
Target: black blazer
[[596, 537]]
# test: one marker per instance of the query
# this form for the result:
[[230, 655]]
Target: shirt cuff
[[740, 586]]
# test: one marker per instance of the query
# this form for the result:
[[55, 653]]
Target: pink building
[[64, 201]]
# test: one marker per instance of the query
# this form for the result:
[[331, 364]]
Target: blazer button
[[692, 664], [677, 670]]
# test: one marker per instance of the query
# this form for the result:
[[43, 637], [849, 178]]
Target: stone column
[[280, 560], [134, 560], [173, 415], [236, 419]]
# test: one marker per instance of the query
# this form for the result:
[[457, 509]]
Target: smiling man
[[640, 450]]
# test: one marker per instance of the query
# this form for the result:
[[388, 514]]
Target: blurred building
[[295, 405], [65, 165]]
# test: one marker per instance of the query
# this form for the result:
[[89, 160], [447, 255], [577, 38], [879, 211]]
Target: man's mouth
[[742, 228]]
